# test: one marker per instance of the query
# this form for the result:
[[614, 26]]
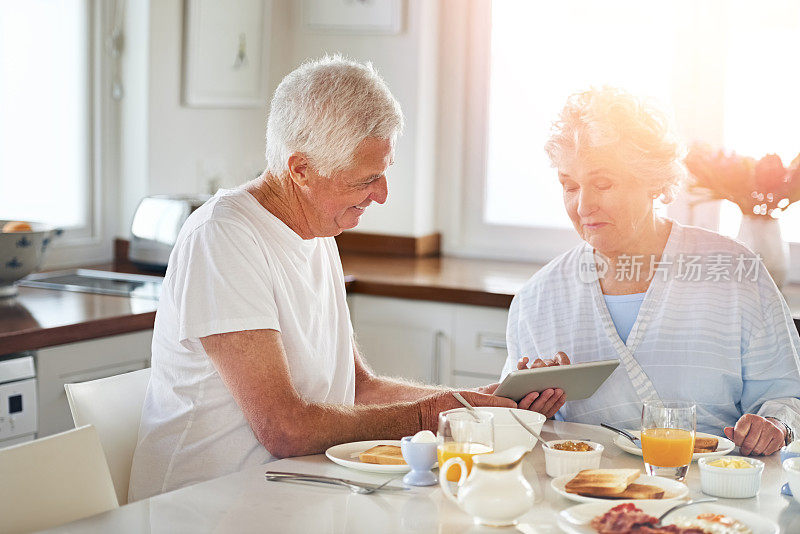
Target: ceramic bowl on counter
[[559, 463], [507, 432], [728, 482], [21, 254], [790, 451], [791, 466]]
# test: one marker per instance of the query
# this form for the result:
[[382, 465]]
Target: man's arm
[[373, 389], [254, 367]]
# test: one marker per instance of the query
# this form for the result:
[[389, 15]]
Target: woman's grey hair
[[627, 130], [324, 109]]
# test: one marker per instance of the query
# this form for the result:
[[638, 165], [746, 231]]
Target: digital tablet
[[577, 380]]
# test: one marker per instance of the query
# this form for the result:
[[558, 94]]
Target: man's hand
[[754, 434], [431, 407], [549, 401]]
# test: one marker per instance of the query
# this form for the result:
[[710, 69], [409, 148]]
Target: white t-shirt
[[236, 267]]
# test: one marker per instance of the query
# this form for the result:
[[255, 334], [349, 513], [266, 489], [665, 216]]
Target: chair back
[[114, 406], [54, 480]]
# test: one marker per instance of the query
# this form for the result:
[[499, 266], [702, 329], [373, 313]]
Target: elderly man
[[253, 353]]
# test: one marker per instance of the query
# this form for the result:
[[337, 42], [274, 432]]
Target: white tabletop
[[246, 502]]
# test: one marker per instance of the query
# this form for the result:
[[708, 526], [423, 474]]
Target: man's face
[[609, 209], [337, 201]]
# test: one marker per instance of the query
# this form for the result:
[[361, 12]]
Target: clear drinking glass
[[668, 430], [462, 435]]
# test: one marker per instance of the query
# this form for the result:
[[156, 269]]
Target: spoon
[[681, 505], [636, 441], [472, 411], [529, 429]]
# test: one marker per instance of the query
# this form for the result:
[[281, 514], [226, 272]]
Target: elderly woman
[[690, 314], [253, 352]]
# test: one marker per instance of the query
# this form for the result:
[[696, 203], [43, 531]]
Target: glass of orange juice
[[668, 429], [462, 435]]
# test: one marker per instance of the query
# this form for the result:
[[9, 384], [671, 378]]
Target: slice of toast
[[638, 491], [705, 444], [602, 482], [382, 454]]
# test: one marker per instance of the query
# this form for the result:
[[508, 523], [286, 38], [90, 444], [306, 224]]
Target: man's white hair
[[324, 109]]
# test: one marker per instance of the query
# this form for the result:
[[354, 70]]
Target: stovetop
[[103, 282]]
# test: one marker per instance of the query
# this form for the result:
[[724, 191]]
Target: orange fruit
[[16, 226]]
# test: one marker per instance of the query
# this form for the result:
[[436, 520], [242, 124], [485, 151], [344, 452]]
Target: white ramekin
[[730, 483], [791, 466], [559, 463]]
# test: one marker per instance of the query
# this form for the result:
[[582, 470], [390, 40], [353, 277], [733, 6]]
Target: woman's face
[[610, 210]]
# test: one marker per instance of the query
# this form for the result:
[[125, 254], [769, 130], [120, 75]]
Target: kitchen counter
[[460, 280], [441, 279], [246, 502], [40, 318]]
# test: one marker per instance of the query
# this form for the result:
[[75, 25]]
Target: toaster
[[155, 227]]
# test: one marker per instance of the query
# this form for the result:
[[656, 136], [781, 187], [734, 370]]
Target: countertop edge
[[35, 339], [359, 283], [432, 293]]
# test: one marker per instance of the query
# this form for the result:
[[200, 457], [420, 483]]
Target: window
[[44, 133], [762, 110], [582, 44], [56, 131], [723, 67]]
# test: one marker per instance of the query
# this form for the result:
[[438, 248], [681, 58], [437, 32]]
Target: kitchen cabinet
[[81, 362], [479, 344], [451, 344], [402, 338]]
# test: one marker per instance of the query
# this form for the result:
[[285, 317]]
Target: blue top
[[624, 310], [728, 345]]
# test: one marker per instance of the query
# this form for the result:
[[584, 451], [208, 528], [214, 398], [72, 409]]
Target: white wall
[[134, 114], [169, 148], [172, 149]]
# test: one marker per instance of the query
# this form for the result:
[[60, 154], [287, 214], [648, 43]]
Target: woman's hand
[[549, 401], [754, 434], [559, 359]]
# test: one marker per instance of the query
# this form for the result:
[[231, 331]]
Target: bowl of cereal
[[22, 246], [564, 456]]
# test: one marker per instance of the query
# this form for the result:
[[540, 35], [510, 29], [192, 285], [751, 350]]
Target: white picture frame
[[225, 51], [375, 17]]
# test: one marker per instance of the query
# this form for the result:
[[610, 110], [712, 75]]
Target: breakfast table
[[246, 502]]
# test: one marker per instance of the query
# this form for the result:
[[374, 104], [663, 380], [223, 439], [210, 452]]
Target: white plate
[[346, 455], [576, 519], [724, 446], [672, 489]]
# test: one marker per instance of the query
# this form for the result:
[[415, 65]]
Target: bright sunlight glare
[[721, 66]]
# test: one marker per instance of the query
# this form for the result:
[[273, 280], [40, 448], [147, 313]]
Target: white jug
[[495, 493]]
